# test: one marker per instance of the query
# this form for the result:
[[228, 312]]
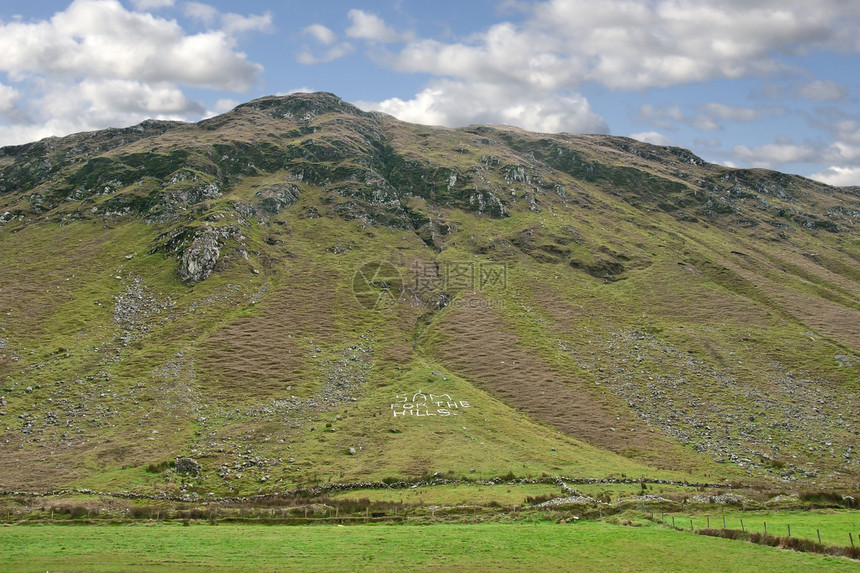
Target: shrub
[[157, 468], [827, 498]]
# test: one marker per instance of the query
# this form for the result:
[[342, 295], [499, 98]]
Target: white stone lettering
[[424, 405]]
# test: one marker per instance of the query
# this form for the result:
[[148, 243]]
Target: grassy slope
[[718, 339]]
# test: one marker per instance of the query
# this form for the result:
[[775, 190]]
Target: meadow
[[540, 546]]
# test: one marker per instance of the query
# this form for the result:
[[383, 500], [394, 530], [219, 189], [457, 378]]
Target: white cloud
[[301, 90], [627, 44], [233, 24], [772, 155], [559, 45], [706, 117], [201, 12], [371, 27], [325, 37], [96, 64], [308, 57], [230, 23], [839, 176], [821, 91], [456, 103], [100, 39], [152, 4], [224, 105], [662, 117], [322, 34], [653, 137], [9, 100], [731, 113], [711, 114], [131, 97], [66, 107]]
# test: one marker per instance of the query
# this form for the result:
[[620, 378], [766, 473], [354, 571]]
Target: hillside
[[298, 292]]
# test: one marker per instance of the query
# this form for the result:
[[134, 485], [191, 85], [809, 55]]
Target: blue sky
[[769, 83]]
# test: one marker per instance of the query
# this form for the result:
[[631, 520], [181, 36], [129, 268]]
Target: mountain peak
[[301, 105]]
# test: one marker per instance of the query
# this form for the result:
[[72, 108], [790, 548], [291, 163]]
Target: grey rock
[[188, 466], [200, 257], [277, 198]]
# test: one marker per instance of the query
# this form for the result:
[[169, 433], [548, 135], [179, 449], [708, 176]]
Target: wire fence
[[775, 530]]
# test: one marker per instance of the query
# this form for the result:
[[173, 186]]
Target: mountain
[[299, 292]]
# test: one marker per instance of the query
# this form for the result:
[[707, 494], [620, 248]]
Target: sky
[[743, 83]]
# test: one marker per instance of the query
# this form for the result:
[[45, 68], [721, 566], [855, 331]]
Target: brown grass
[[480, 347], [262, 354]]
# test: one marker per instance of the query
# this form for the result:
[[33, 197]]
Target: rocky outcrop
[[201, 255], [197, 249], [188, 466], [275, 199]]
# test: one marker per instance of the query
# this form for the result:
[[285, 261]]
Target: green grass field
[[833, 525], [591, 546]]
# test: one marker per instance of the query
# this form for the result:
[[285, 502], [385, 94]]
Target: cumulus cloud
[[371, 27], [101, 39], [839, 176], [322, 36], [230, 23], [653, 137], [712, 115], [707, 117], [97, 64], [456, 103], [821, 91], [9, 102], [665, 117], [152, 4], [772, 155], [560, 45], [201, 12], [627, 44]]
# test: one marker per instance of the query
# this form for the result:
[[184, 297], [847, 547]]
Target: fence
[[776, 530]]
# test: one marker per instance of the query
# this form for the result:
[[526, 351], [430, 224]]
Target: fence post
[[765, 528], [851, 537], [724, 521], [742, 525], [691, 525], [819, 536], [709, 522], [673, 521], [789, 530]]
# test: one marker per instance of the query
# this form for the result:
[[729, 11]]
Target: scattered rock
[[188, 466]]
